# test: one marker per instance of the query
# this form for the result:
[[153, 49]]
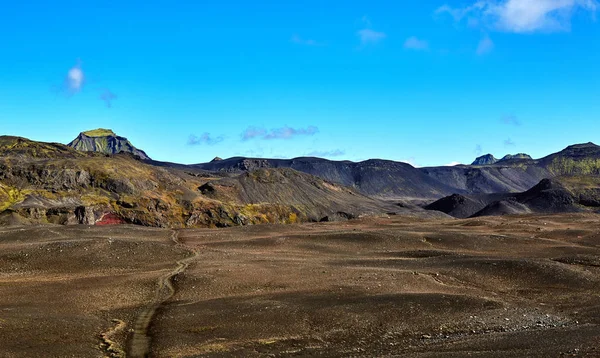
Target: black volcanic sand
[[520, 286]]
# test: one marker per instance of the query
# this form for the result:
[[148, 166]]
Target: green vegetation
[[100, 132], [568, 166]]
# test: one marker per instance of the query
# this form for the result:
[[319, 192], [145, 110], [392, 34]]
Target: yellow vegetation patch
[[10, 196]]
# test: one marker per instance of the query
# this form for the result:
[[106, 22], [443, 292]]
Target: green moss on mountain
[[100, 132], [570, 166]]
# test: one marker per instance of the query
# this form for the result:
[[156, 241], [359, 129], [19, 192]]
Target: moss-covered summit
[[100, 132]]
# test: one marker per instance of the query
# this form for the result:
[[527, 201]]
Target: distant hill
[[396, 180], [105, 141], [379, 178], [487, 159], [400, 181], [519, 156], [578, 159], [558, 195]]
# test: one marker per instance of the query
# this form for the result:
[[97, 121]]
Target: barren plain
[[512, 286]]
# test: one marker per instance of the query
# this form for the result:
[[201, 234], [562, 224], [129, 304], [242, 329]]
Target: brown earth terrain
[[510, 286]]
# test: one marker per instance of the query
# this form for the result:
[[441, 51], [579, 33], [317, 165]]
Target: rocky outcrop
[[105, 141]]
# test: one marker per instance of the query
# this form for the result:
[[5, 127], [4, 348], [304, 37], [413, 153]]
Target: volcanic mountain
[[105, 141]]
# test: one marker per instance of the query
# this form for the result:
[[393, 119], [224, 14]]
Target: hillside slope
[[311, 197]]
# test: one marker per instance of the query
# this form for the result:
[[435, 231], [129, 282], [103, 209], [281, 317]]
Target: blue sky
[[429, 82]]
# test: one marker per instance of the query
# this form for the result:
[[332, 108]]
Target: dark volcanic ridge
[[550, 196], [101, 178]]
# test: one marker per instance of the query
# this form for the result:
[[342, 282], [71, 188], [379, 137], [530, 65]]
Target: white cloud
[[75, 78], [370, 37], [414, 43], [452, 164], [522, 16], [486, 45]]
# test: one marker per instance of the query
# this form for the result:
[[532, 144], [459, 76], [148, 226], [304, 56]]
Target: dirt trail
[[140, 344]]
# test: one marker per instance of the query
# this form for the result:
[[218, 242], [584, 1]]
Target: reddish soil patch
[[110, 219]]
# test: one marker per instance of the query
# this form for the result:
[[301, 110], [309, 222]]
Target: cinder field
[[513, 286]]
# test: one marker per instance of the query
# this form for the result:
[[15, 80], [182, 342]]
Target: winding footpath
[[140, 344]]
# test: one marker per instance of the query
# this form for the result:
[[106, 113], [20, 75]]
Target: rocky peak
[[105, 141], [487, 159], [515, 156]]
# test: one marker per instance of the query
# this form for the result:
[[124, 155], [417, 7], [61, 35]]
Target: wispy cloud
[[414, 43], [204, 139], [327, 153], [306, 42], [478, 150], [486, 45], [370, 37], [521, 16], [107, 96], [509, 143], [460, 13], [452, 164], [367, 35], [365, 21], [278, 133], [511, 120]]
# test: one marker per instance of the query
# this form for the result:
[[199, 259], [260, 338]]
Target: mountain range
[[101, 178]]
